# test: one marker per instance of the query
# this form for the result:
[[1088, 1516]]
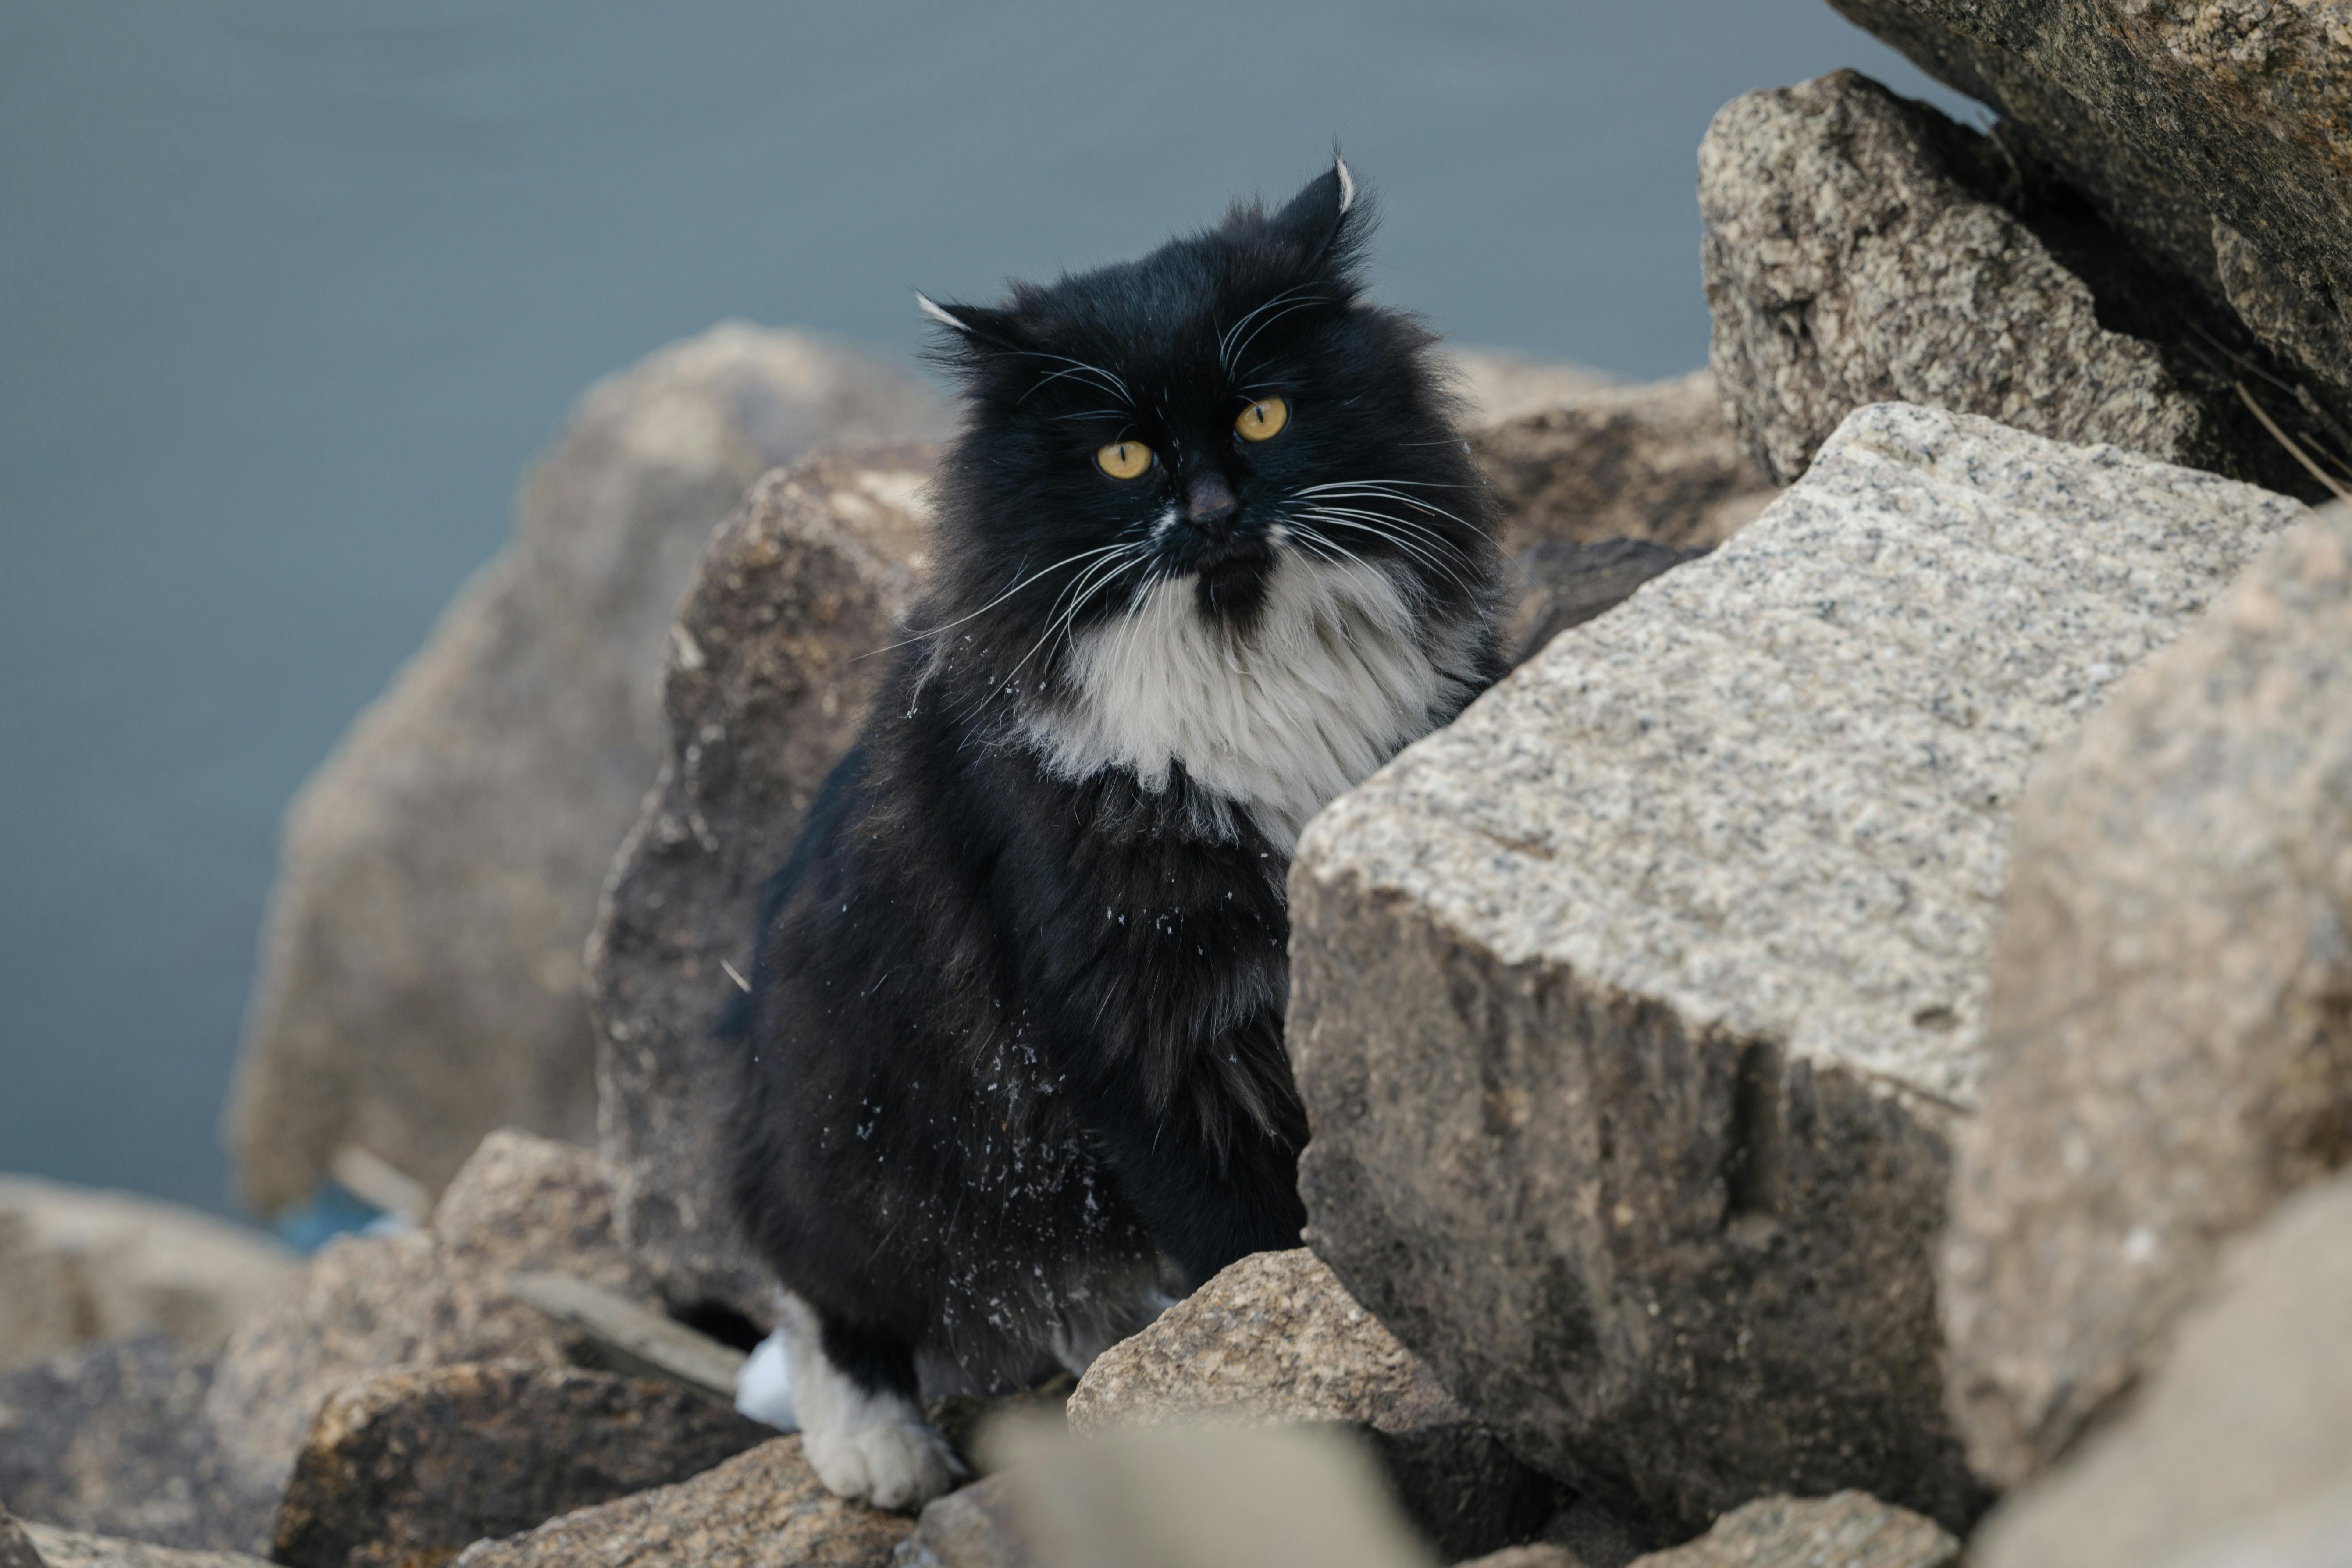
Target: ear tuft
[[1346, 183], [936, 312]]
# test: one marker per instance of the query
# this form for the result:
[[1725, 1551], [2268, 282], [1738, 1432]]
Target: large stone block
[[2189, 126], [78, 1265], [770, 674], [2238, 1452], [420, 978], [431, 1297], [2168, 1051], [1634, 1011], [1276, 1339]]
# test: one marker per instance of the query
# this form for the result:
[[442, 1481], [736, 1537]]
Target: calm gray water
[[291, 291]]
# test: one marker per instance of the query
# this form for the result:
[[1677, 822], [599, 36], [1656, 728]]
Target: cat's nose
[[1210, 504]]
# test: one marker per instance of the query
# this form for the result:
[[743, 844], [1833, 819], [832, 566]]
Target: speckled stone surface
[[1634, 1010], [1850, 1530], [2169, 1047], [1276, 1338], [764, 1509], [2238, 1452], [1845, 264]]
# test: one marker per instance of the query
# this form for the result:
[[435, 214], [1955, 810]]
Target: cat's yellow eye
[[1263, 420], [1124, 459]]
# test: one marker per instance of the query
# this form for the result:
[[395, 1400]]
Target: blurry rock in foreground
[[2190, 128], [78, 1265], [79, 1549], [764, 1509], [1261, 1497], [411, 1468], [112, 1439], [1495, 384], [432, 1297], [1854, 254], [770, 675], [2238, 1453], [1634, 1010], [1850, 1530], [2169, 1048], [1274, 1339], [420, 977]]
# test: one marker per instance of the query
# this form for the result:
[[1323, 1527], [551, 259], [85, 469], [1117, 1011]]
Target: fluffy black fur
[[1014, 1064]]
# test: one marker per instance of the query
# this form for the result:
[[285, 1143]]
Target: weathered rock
[[432, 1297], [1634, 1010], [408, 1468], [113, 1438], [1567, 583], [2247, 1427], [2177, 120], [1851, 1529], [78, 1549], [2168, 1050], [1275, 1338], [977, 1526], [1597, 1536], [1852, 257], [768, 684], [1495, 384], [1656, 462], [764, 1509], [420, 979], [15, 1548], [78, 1266], [1542, 1554]]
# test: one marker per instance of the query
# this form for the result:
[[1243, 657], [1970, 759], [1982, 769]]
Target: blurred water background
[[291, 290]]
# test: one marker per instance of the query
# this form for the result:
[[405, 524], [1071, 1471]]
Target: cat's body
[[1013, 1062]]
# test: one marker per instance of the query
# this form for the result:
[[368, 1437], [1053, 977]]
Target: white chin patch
[[764, 1389], [1334, 679]]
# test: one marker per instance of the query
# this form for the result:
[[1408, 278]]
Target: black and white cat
[[1013, 1073]]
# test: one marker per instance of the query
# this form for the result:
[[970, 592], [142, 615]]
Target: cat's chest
[[1333, 680]]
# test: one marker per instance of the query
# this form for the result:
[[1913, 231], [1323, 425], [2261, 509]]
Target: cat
[[1209, 551]]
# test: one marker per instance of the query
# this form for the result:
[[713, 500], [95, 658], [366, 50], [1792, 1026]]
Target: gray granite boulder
[[770, 674], [1275, 1338], [763, 1509], [1634, 1012], [78, 1265], [2194, 128], [2169, 1047], [2237, 1453], [406, 1469], [431, 1297], [420, 978]]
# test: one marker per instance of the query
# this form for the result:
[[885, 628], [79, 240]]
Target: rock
[[113, 1438], [2245, 1433], [1654, 462], [433, 1297], [78, 1265], [15, 1548], [1275, 1338], [1854, 254], [408, 1468], [420, 979], [2168, 1048], [1568, 583], [77, 1549], [978, 1527], [1851, 1529], [1633, 1011], [2177, 121], [1263, 1497], [1495, 384], [768, 684], [1539, 1555], [1596, 1536], [764, 1509]]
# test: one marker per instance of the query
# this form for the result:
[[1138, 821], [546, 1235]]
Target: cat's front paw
[[891, 1465]]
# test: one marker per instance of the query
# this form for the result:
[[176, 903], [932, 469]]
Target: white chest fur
[[1333, 681]]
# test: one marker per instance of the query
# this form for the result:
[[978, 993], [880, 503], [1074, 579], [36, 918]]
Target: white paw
[[764, 1389], [893, 1466]]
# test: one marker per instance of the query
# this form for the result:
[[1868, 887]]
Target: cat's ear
[[1323, 219], [978, 328]]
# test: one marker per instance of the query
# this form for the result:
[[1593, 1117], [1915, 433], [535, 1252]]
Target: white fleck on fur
[[1333, 681], [868, 1447]]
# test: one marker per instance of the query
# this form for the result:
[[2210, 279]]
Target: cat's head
[[1189, 423]]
